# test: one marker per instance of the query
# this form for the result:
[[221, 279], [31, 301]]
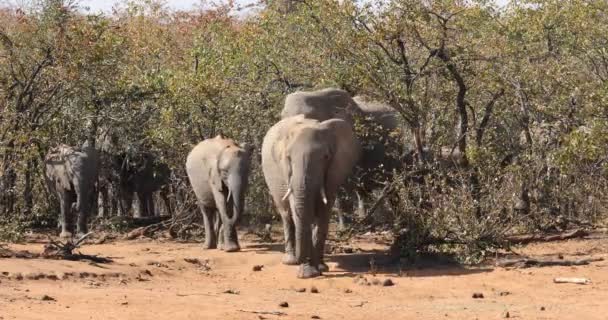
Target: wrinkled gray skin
[[218, 170], [71, 174], [332, 103], [304, 163]]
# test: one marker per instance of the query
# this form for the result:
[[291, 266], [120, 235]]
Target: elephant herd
[[306, 157]]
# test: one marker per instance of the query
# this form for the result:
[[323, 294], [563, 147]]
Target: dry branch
[[528, 238], [572, 280], [532, 262]]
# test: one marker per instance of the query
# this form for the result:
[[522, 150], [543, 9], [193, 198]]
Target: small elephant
[[218, 170], [141, 174], [71, 174], [304, 162]]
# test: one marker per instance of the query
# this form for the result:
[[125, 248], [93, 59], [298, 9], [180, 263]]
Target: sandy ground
[[167, 280]]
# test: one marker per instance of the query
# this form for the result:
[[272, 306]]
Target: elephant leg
[[219, 230], [289, 230], [65, 200], [319, 235], [228, 230], [126, 202], [146, 204], [309, 262], [210, 232], [140, 205], [86, 199]]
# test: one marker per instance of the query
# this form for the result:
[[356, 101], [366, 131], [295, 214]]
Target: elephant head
[[230, 173], [304, 163], [218, 170]]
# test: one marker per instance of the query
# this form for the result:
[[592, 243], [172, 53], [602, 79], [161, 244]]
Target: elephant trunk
[[237, 184], [306, 192], [303, 211]]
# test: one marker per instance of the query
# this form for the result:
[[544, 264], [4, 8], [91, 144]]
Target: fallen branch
[[59, 250], [572, 280], [528, 238], [273, 313], [532, 262]]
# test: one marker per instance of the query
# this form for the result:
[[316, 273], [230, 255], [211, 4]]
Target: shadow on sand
[[381, 262]]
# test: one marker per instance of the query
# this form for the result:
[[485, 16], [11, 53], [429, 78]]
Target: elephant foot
[[323, 267], [231, 247], [289, 259], [307, 271], [208, 246], [65, 235]]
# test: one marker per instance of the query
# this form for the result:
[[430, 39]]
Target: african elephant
[[141, 174], [71, 174], [218, 170], [381, 152], [304, 162]]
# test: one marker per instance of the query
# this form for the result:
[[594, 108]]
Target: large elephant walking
[[71, 174], [304, 162], [381, 151], [218, 170]]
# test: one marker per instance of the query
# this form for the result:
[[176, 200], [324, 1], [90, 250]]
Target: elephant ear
[[345, 151]]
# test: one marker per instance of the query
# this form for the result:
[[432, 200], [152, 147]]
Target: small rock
[[542, 308], [284, 304], [17, 276], [301, 290], [258, 268], [347, 291], [315, 317], [477, 295], [314, 289], [376, 282], [504, 293], [125, 303], [47, 298], [507, 315], [192, 260], [231, 291], [83, 274], [348, 250], [388, 283]]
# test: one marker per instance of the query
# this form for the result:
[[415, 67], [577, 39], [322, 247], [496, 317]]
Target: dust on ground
[[152, 279]]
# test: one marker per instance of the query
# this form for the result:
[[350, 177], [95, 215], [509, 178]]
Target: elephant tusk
[[286, 194], [229, 195], [323, 196]]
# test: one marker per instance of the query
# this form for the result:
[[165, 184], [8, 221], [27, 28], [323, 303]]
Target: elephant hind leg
[[210, 233]]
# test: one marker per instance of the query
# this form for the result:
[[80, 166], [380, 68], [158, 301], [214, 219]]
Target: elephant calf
[[71, 174], [304, 162], [218, 170]]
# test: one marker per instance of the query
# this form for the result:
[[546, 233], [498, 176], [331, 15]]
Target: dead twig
[[273, 313]]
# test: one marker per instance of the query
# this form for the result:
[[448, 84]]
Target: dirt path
[[152, 280]]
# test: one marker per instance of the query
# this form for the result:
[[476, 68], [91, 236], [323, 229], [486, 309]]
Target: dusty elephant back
[[321, 105]]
